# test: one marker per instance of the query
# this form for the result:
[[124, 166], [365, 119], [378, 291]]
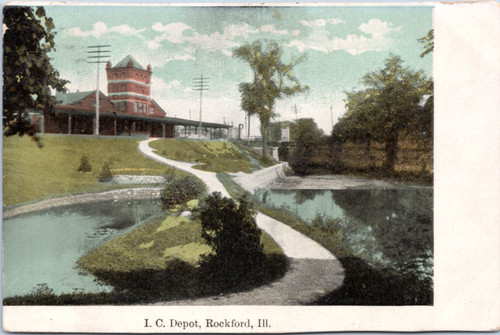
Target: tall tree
[[394, 99], [28, 75], [272, 80]]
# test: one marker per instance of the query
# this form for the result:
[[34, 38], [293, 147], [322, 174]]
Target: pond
[[387, 228], [41, 248]]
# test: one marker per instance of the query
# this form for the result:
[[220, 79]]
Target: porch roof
[[165, 120]]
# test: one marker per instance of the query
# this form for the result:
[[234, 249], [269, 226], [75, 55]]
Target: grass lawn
[[153, 245], [213, 156], [31, 173]]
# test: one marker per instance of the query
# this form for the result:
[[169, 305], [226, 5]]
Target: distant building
[[128, 109]]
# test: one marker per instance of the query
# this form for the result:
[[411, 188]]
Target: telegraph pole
[[331, 115], [201, 84], [297, 110], [98, 54]]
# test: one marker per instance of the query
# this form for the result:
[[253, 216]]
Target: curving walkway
[[313, 272]]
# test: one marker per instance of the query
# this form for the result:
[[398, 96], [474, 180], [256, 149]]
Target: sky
[[341, 44]]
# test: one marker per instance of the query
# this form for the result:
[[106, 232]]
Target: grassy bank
[[213, 156], [363, 284], [31, 173]]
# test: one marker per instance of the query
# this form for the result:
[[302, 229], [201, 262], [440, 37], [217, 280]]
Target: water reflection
[[389, 228], [41, 249]]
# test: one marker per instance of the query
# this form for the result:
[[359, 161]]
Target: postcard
[[250, 168]]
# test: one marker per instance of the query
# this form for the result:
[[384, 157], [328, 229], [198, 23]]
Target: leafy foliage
[[308, 135], [181, 190], [231, 230], [394, 100], [272, 80], [28, 75], [428, 42], [84, 165], [105, 174]]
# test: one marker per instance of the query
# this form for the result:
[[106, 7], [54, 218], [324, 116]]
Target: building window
[[93, 102], [151, 110], [122, 105], [135, 107]]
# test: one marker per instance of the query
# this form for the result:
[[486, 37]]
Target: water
[[388, 228], [41, 248]]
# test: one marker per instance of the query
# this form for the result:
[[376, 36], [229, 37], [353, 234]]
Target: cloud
[[320, 22], [173, 32], [222, 42], [100, 28], [126, 30], [269, 28], [377, 28], [355, 44]]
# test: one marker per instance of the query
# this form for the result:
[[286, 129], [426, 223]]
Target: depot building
[[128, 109]]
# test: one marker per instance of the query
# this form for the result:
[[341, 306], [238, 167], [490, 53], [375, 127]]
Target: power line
[[200, 85], [98, 54]]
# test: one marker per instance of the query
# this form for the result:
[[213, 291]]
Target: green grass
[[213, 156], [153, 245], [31, 173]]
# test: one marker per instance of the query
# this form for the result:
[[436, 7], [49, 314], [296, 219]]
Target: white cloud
[[335, 21], [100, 28], [354, 44], [269, 28], [320, 22], [296, 32], [377, 28], [223, 42], [173, 32], [126, 30]]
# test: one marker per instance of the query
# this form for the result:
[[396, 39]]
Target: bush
[[231, 230], [105, 174], [181, 190], [84, 165]]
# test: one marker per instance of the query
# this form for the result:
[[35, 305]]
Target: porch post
[[42, 122], [163, 130], [69, 123]]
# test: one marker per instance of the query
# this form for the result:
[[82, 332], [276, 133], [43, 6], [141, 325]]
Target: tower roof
[[124, 62]]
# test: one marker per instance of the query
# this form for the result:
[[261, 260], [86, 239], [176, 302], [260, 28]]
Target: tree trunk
[[391, 146], [263, 132]]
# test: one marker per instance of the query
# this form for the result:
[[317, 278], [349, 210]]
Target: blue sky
[[181, 43]]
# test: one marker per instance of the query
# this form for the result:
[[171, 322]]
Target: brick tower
[[129, 87]]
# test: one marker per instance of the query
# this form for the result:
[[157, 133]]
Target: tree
[[28, 75], [232, 232], [307, 137], [428, 42], [272, 80], [393, 101]]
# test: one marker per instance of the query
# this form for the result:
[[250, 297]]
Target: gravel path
[[313, 271]]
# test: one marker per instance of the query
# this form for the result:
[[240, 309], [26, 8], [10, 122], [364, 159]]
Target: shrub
[[181, 190], [84, 165], [231, 230], [105, 174]]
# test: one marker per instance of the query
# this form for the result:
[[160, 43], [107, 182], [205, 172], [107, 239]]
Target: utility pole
[[98, 54], [201, 84], [297, 110], [331, 115]]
